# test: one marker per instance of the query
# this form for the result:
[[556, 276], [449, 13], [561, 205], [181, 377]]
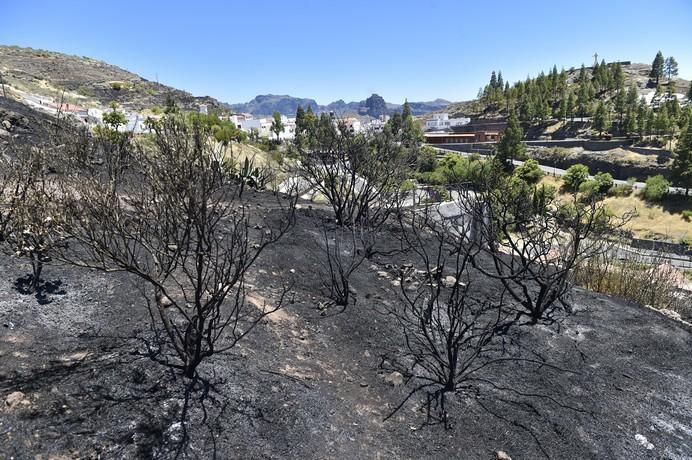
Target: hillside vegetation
[[576, 93], [85, 81]]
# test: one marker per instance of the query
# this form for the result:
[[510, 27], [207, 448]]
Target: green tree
[[530, 172], [629, 125], [657, 67], [406, 110], [631, 98], [662, 124], [689, 94], [563, 110], [671, 67], [656, 188], [277, 126], [171, 106], [620, 105], [511, 143], [618, 77], [300, 118], [115, 118], [601, 120], [642, 115], [603, 182], [650, 122], [394, 123], [571, 104], [575, 176], [584, 96], [411, 134], [682, 162]]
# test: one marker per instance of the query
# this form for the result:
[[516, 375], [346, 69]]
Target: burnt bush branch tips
[[533, 245], [31, 219], [448, 325], [176, 221]]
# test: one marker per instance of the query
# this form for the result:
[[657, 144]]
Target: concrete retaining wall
[[661, 246]]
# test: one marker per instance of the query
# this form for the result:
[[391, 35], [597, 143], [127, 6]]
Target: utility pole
[[595, 58]]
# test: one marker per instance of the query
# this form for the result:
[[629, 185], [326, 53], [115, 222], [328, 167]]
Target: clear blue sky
[[326, 50]]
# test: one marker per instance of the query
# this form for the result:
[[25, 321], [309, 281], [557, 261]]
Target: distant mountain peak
[[374, 105]]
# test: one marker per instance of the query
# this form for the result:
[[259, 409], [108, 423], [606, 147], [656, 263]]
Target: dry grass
[[553, 128], [619, 155], [653, 220], [241, 151], [650, 220]]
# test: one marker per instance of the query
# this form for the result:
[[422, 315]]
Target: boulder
[[15, 398], [6, 124], [163, 300], [449, 281], [502, 455], [4, 134], [395, 379]]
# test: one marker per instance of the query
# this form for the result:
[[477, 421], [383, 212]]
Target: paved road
[[652, 257]]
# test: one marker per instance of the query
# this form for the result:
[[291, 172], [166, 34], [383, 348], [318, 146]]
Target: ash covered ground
[[79, 377]]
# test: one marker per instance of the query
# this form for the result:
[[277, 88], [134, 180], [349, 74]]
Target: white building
[[263, 127], [352, 124], [442, 121], [375, 125]]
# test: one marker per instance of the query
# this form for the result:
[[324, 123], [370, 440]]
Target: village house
[[352, 124], [442, 121], [263, 126]]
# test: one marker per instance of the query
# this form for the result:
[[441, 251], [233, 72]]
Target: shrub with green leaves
[[604, 181], [620, 190], [575, 176], [427, 159], [596, 187], [589, 189], [530, 172], [656, 188]]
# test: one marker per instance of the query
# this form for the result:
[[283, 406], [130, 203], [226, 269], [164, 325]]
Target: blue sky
[[329, 50]]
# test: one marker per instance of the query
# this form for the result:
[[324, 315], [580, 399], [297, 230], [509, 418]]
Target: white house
[[263, 127], [375, 125], [353, 124], [442, 121]]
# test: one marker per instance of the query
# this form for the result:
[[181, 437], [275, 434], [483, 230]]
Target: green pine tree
[[406, 110], [601, 120], [511, 143], [671, 67], [657, 67], [682, 162]]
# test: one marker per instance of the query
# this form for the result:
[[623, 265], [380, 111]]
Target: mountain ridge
[[267, 104]]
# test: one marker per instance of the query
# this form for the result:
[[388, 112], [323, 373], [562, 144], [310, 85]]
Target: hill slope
[[86, 81], [310, 385], [635, 74]]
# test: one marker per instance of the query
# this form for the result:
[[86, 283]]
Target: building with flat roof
[[442, 121], [474, 131]]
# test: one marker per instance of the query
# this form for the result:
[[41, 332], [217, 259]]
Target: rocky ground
[[78, 380], [20, 122]]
